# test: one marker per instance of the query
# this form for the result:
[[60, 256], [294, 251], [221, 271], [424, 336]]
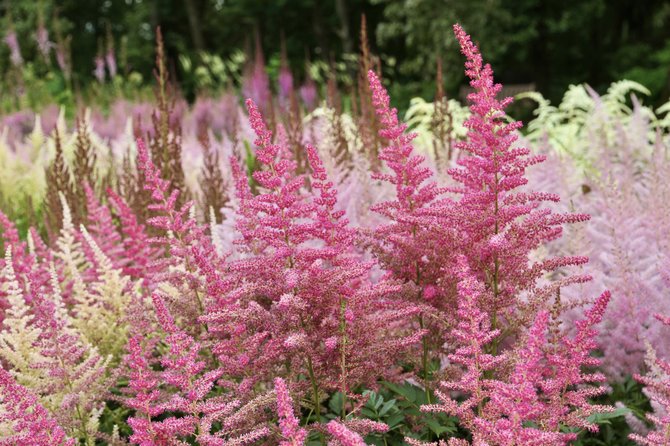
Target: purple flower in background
[[256, 84], [110, 59], [308, 94], [285, 81], [15, 51], [42, 39], [99, 71], [62, 61]]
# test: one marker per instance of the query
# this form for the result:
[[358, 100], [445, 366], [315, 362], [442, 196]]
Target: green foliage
[[614, 429]]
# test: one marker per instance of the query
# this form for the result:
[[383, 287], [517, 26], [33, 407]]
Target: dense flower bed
[[280, 274]]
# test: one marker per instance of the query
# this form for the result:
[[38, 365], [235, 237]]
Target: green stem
[[315, 395], [343, 357], [424, 361]]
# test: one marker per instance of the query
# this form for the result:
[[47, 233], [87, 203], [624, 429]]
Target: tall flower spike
[[29, 423], [410, 245], [657, 382], [343, 436], [180, 394], [185, 240], [473, 336], [501, 223], [289, 425]]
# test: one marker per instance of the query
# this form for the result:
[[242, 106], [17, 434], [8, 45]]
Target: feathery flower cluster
[[23, 420], [657, 382], [188, 326]]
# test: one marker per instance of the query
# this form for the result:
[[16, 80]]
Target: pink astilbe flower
[[501, 225], [473, 335], [184, 239], [110, 61], [284, 81], [31, 424], [411, 244], [303, 296], [289, 425], [102, 228], [256, 83], [42, 39], [309, 93], [180, 394], [12, 42], [546, 390], [22, 262], [99, 70], [139, 253], [342, 436], [657, 383]]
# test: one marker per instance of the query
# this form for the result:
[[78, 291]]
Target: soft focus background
[[547, 44]]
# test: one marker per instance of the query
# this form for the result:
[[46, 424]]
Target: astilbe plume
[[42, 40], [289, 425], [180, 394], [256, 84], [525, 396], [342, 436], [12, 41], [20, 261], [65, 372], [23, 420], [139, 253], [183, 238], [657, 382], [411, 244], [303, 302], [501, 226], [100, 225], [99, 70]]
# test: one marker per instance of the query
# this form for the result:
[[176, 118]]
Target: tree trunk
[[194, 24]]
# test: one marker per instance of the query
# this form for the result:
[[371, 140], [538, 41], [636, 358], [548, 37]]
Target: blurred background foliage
[[209, 42]]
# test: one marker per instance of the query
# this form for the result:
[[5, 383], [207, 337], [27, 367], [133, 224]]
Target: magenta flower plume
[[42, 39], [99, 71], [473, 336], [309, 93], [110, 61], [500, 224], [12, 42], [410, 246], [185, 240], [302, 292], [180, 394], [31, 423], [547, 389], [343, 436], [289, 425], [657, 383]]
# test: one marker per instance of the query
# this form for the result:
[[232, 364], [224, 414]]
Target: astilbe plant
[[24, 421], [180, 236], [528, 396], [289, 425], [520, 387], [181, 394], [408, 245], [63, 370], [657, 382], [501, 223], [304, 303]]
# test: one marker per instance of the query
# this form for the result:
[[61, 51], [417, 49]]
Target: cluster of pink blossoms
[[246, 346]]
